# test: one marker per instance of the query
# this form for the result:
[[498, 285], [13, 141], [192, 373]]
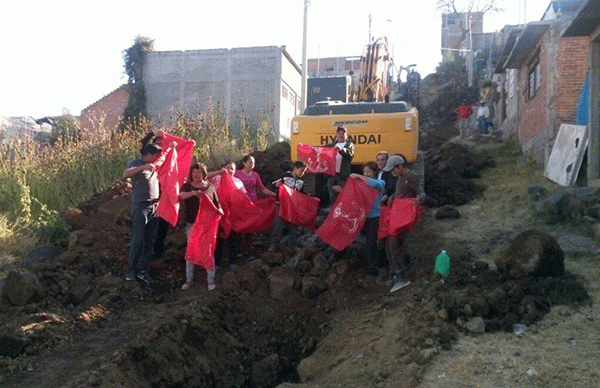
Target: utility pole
[[470, 55], [304, 60]]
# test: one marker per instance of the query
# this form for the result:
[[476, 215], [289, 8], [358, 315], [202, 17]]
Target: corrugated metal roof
[[526, 41], [586, 20]]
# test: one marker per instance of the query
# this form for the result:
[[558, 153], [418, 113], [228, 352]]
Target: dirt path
[[559, 351]]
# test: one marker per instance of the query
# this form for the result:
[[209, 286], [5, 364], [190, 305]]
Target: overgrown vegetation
[[37, 180]]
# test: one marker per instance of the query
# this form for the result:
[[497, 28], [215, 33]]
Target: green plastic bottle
[[442, 264]]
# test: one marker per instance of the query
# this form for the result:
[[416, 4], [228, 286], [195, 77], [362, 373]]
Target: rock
[[11, 345], [281, 283], [230, 282], [320, 265], [340, 268], [21, 287], [265, 373], [443, 314], [476, 325], [81, 237], [596, 229], [249, 280], [307, 369], [273, 258], [313, 286], [532, 253], [75, 218], [79, 291], [567, 204], [41, 254], [537, 193], [447, 212]]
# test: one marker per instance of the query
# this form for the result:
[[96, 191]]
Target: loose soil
[[90, 328]]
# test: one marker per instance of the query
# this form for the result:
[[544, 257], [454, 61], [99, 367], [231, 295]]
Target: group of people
[[389, 175], [464, 112], [392, 178]]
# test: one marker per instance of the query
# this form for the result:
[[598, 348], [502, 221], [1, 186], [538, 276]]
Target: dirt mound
[[449, 170]]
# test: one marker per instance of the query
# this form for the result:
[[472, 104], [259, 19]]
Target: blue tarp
[[583, 114]]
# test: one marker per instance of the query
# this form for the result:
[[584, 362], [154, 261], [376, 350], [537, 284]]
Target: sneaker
[[186, 286], [129, 276], [399, 283], [145, 277], [211, 286]]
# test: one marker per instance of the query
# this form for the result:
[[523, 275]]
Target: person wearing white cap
[[407, 186], [343, 163]]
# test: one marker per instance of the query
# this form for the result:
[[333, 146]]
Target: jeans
[[482, 125], [397, 254], [143, 233], [333, 181], [277, 232], [370, 229]]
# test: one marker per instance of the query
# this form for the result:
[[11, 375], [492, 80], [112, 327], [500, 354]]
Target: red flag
[[168, 203], [172, 168], [185, 149], [318, 160], [384, 221], [348, 214], [241, 214], [260, 219], [203, 236], [398, 218], [297, 208]]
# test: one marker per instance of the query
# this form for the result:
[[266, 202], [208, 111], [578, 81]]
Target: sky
[[63, 55]]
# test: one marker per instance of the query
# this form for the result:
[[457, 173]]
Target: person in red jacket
[[464, 112]]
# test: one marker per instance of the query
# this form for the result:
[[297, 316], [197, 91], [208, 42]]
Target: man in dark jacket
[[343, 163]]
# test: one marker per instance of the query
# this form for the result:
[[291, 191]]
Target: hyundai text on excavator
[[373, 122]]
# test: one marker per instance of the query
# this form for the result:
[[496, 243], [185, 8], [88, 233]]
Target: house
[[248, 85], [543, 76], [107, 112], [455, 28], [586, 26]]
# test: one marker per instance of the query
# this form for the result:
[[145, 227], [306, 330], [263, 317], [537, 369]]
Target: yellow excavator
[[374, 123]]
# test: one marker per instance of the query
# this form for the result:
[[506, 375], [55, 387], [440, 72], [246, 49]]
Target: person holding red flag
[[407, 186], [144, 195], [253, 184], [227, 239], [292, 179], [369, 177], [191, 193]]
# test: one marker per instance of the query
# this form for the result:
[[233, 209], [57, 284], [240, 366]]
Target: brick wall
[[107, 111], [533, 112], [572, 67]]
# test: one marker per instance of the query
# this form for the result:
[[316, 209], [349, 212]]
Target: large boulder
[[21, 287], [532, 253]]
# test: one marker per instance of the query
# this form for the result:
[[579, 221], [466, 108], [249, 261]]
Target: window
[[284, 92], [535, 76]]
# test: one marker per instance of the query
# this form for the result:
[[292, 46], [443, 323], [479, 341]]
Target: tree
[[135, 58]]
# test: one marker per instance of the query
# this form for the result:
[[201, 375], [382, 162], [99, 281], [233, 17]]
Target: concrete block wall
[[243, 83], [107, 111]]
